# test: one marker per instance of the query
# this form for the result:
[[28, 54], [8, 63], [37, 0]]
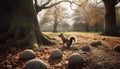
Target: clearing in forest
[[101, 56]]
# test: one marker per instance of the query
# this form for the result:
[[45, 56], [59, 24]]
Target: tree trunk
[[20, 24], [87, 27], [110, 27], [55, 25], [96, 27]]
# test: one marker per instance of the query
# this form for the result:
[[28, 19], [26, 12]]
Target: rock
[[98, 42], [56, 53], [95, 43], [85, 48], [94, 39], [74, 48], [103, 38], [117, 48], [27, 55], [75, 61], [35, 64]]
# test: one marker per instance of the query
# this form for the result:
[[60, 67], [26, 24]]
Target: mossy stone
[[75, 61], [35, 64], [27, 54], [56, 53], [85, 48]]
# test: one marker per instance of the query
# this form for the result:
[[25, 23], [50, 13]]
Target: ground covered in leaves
[[99, 57]]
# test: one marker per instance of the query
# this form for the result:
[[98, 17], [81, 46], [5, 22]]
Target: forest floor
[[100, 57]]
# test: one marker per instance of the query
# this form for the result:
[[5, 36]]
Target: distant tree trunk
[[110, 28], [56, 20], [20, 24], [96, 27], [87, 27], [55, 25]]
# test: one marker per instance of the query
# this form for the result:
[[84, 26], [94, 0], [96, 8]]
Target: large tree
[[110, 18], [18, 23]]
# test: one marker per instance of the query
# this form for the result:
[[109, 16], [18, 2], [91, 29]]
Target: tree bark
[[20, 24], [87, 27], [55, 25], [110, 27]]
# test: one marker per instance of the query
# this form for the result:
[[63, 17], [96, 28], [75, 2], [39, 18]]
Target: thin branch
[[36, 2], [39, 8], [46, 3], [97, 8], [79, 5], [73, 9], [117, 1], [45, 7]]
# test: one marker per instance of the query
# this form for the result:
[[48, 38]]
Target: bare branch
[[36, 2], [39, 8], [54, 4], [98, 9], [46, 3], [44, 6], [79, 5], [117, 1]]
